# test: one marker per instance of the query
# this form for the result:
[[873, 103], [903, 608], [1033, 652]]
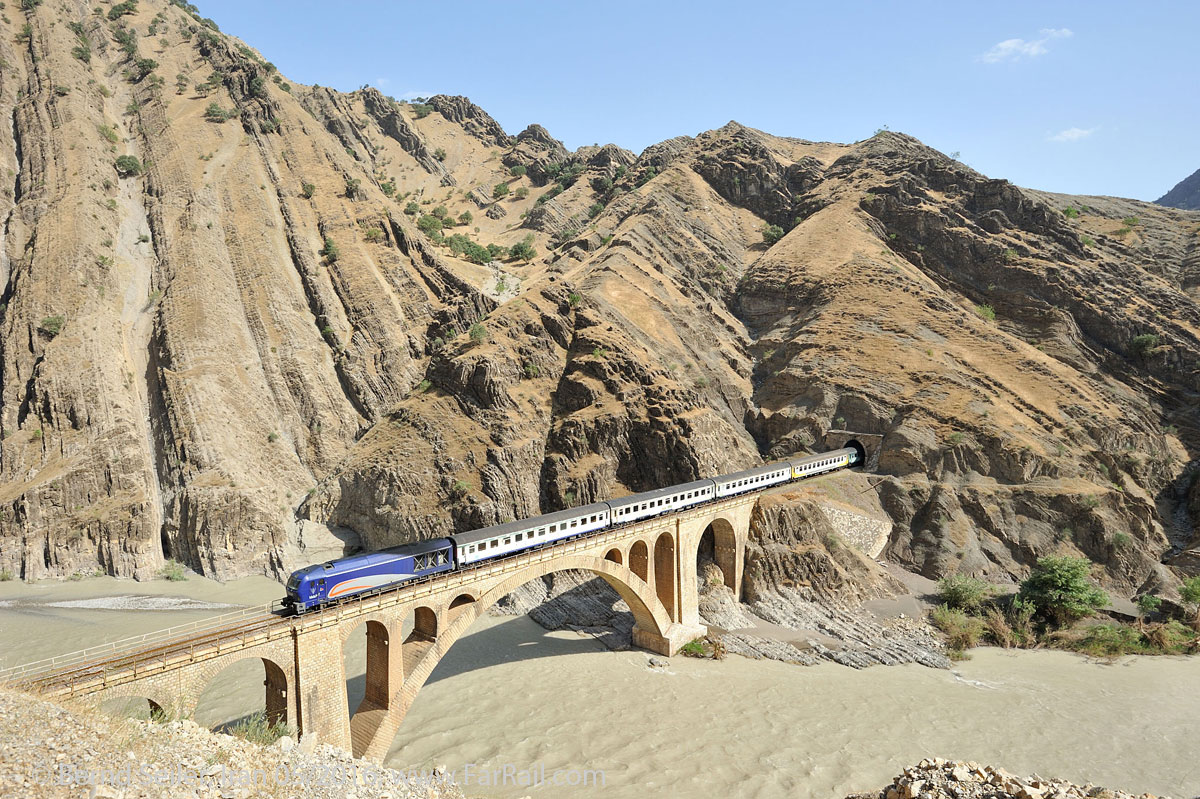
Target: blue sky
[[1088, 98]]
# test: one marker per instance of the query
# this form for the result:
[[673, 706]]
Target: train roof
[[376, 557], [755, 471], [819, 455], [419, 547], [633, 499], [472, 536]]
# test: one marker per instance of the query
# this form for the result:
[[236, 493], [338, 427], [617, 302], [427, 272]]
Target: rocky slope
[[955, 779], [252, 334], [1186, 194]]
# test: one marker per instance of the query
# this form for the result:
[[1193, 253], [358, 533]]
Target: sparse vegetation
[[353, 188], [499, 191], [109, 133], [967, 594], [440, 153], [330, 250], [477, 333], [1142, 344], [373, 235], [521, 192], [412, 209], [51, 326], [1060, 590], [986, 312], [574, 298], [961, 630], [772, 234], [127, 166], [173, 570], [1087, 241], [255, 728], [215, 113], [307, 190], [1070, 212]]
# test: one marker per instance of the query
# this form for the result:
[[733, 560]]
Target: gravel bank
[[47, 750]]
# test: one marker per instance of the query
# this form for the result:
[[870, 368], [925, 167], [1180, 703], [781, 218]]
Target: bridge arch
[[135, 704], [718, 543], [664, 572], [615, 556], [649, 614], [639, 560], [275, 680]]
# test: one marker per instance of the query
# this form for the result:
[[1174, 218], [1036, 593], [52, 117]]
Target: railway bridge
[[651, 564]]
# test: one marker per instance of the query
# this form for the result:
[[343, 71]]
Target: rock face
[[249, 331], [1186, 194]]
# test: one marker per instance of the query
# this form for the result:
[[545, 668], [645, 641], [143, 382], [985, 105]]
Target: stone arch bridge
[[651, 564]]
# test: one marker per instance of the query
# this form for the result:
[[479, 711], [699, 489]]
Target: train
[[322, 584]]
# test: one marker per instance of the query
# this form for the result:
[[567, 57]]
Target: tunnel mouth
[[857, 446]]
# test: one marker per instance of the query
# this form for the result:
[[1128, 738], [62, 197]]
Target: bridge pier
[[324, 710]]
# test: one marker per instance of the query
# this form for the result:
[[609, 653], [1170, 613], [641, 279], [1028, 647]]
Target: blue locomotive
[[331, 582]]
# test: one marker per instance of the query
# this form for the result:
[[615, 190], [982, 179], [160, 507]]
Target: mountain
[[231, 322], [1185, 195]]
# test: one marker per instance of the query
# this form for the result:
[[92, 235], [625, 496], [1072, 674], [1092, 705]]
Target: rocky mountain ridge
[[1185, 194], [271, 320]]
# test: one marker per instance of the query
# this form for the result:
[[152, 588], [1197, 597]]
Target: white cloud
[[382, 83], [1072, 134], [1017, 49], [413, 94]]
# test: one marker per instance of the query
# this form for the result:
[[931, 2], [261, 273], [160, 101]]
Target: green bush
[[1143, 343], [440, 153], [1189, 592], [1131, 221], [308, 190], [353, 187], [1148, 604], [215, 113], [478, 333], [772, 234], [521, 192], [595, 210], [373, 235], [986, 312], [1070, 213], [517, 171], [523, 250], [5, 575], [1060, 590], [52, 325], [961, 631], [127, 166], [173, 570], [441, 212], [412, 209], [499, 191], [109, 133], [460, 488], [960, 592], [573, 299], [602, 185], [256, 729], [330, 250], [466, 218], [693, 649], [429, 224]]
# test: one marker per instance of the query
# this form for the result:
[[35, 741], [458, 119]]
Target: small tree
[[517, 171], [1141, 345], [465, 218], [523, 250], [964, 593], [412, 209], [353, 188], [499, 191], [51, 326], [440, 153], [214, 113], [429, 224], [330, 250], [308, 190], [478, 333], [1189, 592], [1060, 589], [521, 193], [772, 234], [127, 166]]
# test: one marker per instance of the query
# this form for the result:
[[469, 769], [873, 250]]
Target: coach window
[[520, 537]]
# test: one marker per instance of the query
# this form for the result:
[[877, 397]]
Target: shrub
[[521, 192], [353, 188], [121, 9], [108, 133], [140, 69], [1143, 343], [127, 166], [272, 437], [429, 224], [955, 438], [647, 176], [523, 250], [499, 190], [330, 250], [1070, 213], [1121, 540], [478, 333], [388, 188], [772, 234], [465, 218], [373, 235], [997, 628], [215, 113], [573, 299], [1060, 590], [595, 210], [26, 34], [82, 51], [440, 153], [961, 631], [1189, 592], [308, 190], [517, 171], [554, 191], [602, 185], [421, 110], [412, 209], [460, 488], [424, 385], [1088, 241], [964, 593], [693, 649], [173, 570], [52, 325], [1131, 221], [986, 312], [256, 729], [440, 212], [1148, 604], [532, 370], [5, 575]]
